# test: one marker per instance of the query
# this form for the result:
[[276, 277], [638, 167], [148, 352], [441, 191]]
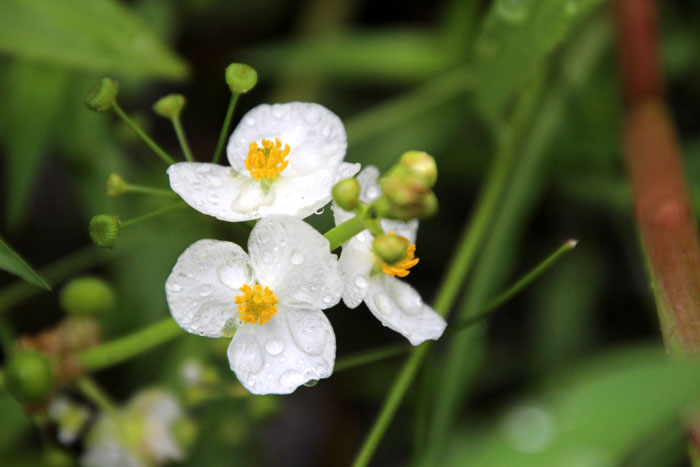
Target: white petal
[[355, 265], [399, 307], [294, 260], [294, 347], [203, 285], [405, 229], [315, 135], [218, 191]]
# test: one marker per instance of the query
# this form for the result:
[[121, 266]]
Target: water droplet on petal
[[274, 346], [311, 383], [361, 282], [205, 290], [245, 354], [297, 257], [175, 288], [213, 181], [384, 305], [250, 121], [319, 211], [308, 331], [327, 299], [214, 199]]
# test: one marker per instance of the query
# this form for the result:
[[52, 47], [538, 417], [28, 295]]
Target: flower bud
[[346, 193], [429, 206], [28, 376], [86, 296], [241, 78], [403, 186], [104, 230], [169, 106], [116, 185], [102, 95], [390, 248], [421, 163]]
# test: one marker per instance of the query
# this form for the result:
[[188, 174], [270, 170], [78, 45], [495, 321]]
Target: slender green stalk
[[182, 138], [341, 233], [146, 139], [147, 190], [370, 356], [155, 213], [129, 346], [225, 127], [94, 393]]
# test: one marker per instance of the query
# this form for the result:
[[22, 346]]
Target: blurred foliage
[[445, 77]]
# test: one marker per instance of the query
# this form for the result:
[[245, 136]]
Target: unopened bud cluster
[[102, 95], [104, 230], [407, 188]]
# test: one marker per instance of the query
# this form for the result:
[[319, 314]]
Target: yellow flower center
[[256, 304], [268, 160], [401, 267]]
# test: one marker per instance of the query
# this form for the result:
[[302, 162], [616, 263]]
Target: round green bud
[[422, 164], [346, 193], [116, 185], [169, 106], [390, 248], [241, 78], [28, 377], [86, 296], [104, 230], [102, 95], [429, 205]]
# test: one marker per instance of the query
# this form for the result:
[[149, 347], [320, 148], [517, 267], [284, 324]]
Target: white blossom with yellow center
[[272, 298], [396, 304], [285, 158]]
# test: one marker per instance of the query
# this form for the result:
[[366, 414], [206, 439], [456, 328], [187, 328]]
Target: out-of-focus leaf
[[517, 35], [99, 35], [13, 263], [400, 55], [14, 421], [594, 416], [34, 95]]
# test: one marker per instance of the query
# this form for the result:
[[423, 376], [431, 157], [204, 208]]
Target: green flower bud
[[104, 230], [422, 164], [403, 186], [390, 248], [102, 95], [169, 106], [346, 193], [86, 296], [429, 206], [241, 78], [116, 186], [28, 377]]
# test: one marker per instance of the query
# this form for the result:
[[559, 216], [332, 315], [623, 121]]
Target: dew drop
[[297, 257], [250, 121], [311, 383], [384, 305], [361, 282], [327, 299], [214, 199], [213, 181], [309, 331], [319, 211], [246, 355], [175, 288], [205, 290], [274, 346]]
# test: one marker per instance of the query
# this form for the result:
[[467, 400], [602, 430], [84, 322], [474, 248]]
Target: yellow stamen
[[268, 160], [256, 304], [401, 267]]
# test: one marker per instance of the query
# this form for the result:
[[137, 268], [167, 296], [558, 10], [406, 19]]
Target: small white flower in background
[[70, 418], [273, 297], [396, 304], [285, 158], [141, 434]]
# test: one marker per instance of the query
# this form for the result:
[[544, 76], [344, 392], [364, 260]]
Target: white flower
[[396, 304], [141, 434], [274, 297], [285, 158]]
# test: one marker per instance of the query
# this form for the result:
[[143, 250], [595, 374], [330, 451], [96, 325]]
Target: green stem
[[129, 346], [149, 190], [341, 233], [157, 212], [371, 356], [225, 127], [94, 393], [146, 139], [182, 138]]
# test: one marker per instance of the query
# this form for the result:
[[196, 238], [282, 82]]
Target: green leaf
[[13, 263], [399, 55], [32, 102], [517, 35], [99, 35], [595, 416]]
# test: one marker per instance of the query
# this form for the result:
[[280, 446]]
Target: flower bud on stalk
[[102, 95], [116, 185], [170, 106], [28, 377], [241, 78], [390, 248], [422, 164], [104, 230], [346, 193], [407, 188], [86, 296]]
